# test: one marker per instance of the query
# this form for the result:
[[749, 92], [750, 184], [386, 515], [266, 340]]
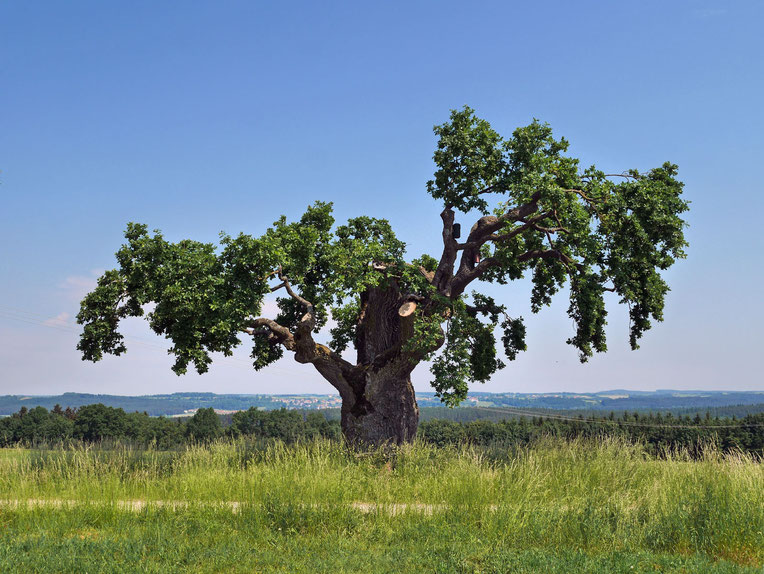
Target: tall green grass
[[600, 501]]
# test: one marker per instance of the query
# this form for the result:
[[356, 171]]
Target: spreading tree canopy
[[541, 215]]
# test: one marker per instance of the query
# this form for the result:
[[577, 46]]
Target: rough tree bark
[[378, 399], [382, 405]]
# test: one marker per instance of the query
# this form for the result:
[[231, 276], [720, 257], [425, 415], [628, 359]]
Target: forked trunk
[[378, 401], [383, 406]]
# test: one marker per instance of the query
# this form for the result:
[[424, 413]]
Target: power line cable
[[511, 410]]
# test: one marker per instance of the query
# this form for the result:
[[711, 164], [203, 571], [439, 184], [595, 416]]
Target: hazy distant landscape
[[678, 402]]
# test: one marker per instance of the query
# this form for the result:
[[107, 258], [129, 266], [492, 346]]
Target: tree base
[[384, 411]]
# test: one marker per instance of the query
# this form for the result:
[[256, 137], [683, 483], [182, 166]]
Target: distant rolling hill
[[721, 403]]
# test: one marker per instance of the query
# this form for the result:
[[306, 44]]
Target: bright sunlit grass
[[574, 503]]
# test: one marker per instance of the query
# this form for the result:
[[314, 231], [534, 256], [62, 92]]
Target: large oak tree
[[541, 215]]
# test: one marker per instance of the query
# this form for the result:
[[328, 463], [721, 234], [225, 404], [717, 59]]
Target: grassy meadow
[[320, 507]]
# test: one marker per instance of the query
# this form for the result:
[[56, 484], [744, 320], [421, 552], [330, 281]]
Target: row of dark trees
[[659, 433], [98, 423], [661, 416], [94, 423]]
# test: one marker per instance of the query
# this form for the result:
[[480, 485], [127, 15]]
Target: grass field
[[318, 507]]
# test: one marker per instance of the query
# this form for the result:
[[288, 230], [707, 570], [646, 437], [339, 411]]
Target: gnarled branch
[[549, 254], [483, 239], [308, 320], [274, 331], [331, 365], [470, 267], [445, 270]]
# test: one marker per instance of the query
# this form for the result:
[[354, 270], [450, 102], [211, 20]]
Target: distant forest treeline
[[658, 432], [693, 401], [153, 405], [98, 423], [678, 402], [496, 414]]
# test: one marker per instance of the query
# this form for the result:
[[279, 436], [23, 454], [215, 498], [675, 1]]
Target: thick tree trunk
[[383, 405], [381, 409], [378, 401]]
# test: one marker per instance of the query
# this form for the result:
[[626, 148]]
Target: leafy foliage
[[543, 217], [586, 230], [203, 426], [469, 353], [96, 422], [202, 298], [108, 425]]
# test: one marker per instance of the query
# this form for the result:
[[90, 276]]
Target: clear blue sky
[[197, 117]]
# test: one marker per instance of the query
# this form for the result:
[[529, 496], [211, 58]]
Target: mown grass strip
[[291, 539]]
